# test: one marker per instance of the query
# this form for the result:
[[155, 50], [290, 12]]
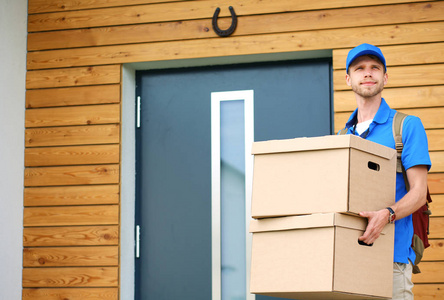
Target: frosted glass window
[[232, 167], [232, 200]]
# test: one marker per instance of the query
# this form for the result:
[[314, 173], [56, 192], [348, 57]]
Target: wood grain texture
[[72, 155], [251, 24], [435, 252], [71, 215], [397, 98], [71, 195], [431, 117], [431, 272], [185, 10], [40, 6], [70, 293], [411, 54], [123, 15], [437, 205], [128, 34], [420, 75], [68, 116], [70, 277], [70, 236], [436, 227], [437, 161], [72, 175], [71, 256], [436, 183], [436, 139], [73, 77], [428, 291], [242, 45], [72, 135], [85, 95]]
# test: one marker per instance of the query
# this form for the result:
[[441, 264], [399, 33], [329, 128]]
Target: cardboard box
[[322, 174], [318, 257]]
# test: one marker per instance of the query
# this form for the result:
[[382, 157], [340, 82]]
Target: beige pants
[[402, 281]]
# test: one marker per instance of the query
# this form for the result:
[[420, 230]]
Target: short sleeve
[[416, 149]]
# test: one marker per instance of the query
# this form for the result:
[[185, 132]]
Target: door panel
[[291, 99]]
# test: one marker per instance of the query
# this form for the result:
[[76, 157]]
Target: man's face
[[366, 76]]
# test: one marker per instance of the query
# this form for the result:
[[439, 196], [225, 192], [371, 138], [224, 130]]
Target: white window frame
[[216, 98]]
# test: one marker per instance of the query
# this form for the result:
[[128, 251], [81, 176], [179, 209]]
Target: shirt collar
[[383, 113], [381, 116]]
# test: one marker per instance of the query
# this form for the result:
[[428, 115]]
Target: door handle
[[137, 241]]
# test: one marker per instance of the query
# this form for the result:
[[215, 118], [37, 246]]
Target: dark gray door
[[291, 99]]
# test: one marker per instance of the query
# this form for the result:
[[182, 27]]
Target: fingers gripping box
[[318, 256], [322, 174]]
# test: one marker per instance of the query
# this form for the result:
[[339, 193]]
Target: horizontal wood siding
[[71, 236], [39, 6], [251, 24], [79, 155], [179, 11], [71, 256], [71, 195], [434, 252], [74, 215], [72, 135], [83, 95], [437, 206], [72, 183], [70, 293], [70, 277], [72, 175], [244, 45], [67, 116], [73, 109], [403, 97]]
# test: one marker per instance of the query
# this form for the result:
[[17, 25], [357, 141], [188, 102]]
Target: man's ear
[[385, 78], [347, 79]]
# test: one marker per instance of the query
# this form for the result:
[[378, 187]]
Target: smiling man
[[367, 75]]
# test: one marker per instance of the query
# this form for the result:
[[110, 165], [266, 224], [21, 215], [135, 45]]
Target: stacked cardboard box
[[307, 194]]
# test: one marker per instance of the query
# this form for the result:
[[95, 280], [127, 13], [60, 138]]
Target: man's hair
[[372, 57]]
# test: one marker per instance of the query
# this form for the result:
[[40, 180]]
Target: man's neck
[[367, 107]]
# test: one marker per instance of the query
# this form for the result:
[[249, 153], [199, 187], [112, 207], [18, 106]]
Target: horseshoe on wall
[[229, 31]]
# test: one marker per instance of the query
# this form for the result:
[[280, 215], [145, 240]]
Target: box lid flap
[[356, 222], [291, 222], [309, 221], [352, 222], [322, 143]]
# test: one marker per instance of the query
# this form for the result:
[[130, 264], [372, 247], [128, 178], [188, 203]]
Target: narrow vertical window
[[232, 136]]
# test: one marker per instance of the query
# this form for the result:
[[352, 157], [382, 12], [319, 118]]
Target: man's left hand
[[376, 223]]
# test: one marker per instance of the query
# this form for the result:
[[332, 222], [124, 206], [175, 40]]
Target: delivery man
[[367, 75]]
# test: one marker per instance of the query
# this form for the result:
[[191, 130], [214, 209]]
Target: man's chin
[[367, 93]]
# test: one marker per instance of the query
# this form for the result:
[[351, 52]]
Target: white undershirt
[[361, 127]]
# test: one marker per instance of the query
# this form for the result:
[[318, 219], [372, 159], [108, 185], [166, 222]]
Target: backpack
[[421, 217]]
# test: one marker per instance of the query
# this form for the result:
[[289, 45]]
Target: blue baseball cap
[[364, 49]]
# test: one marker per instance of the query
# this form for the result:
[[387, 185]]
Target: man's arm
[[411, 202]]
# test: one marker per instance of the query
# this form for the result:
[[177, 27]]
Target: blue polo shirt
[[415, 152]]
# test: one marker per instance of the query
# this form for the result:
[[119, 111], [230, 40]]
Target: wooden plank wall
[[73, 107]]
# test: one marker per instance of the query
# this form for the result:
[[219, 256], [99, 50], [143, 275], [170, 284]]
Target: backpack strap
[[398, 122], [420, 218], [342, 131]]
